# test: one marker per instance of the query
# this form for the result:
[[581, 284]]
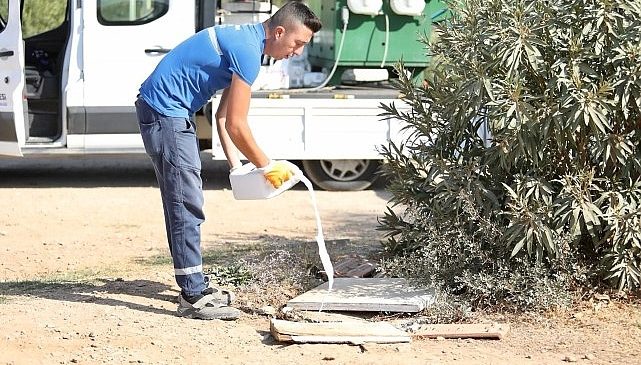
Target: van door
[[123, 41], [12, 98]]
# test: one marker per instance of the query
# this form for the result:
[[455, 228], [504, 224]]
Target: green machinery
[[375, 38]]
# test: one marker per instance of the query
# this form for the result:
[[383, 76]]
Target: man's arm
[[237, 105], [231, 152]]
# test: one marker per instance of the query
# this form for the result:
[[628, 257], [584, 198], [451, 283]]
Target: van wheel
[[207, 112], [341, 175]]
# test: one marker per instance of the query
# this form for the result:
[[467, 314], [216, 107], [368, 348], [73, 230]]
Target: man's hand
[[277, 172]]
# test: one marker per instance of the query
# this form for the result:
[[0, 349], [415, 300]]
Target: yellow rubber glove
[[277, 173]]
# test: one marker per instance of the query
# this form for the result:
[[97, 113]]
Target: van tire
[[341, 175], [207, 112]]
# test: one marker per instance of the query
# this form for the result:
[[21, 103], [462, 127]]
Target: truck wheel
[[341, 175]]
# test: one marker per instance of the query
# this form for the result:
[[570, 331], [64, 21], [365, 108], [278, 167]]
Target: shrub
[[522, 165]]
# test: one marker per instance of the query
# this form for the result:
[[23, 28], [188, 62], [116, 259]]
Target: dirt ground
[[76, 285]]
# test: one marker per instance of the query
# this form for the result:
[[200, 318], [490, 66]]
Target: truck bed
[[382, 91], [338, 123]]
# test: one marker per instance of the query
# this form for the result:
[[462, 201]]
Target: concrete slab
[[366, 295]]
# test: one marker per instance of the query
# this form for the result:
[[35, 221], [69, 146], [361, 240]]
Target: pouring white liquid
[[248, 183]]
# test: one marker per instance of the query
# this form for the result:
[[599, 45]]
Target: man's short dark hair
[[295, 10]]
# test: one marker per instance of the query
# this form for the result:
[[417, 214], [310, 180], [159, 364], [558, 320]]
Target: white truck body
[[83, 102], [318, 129]]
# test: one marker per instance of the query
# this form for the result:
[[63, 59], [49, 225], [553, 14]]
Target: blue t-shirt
[[187, 77]]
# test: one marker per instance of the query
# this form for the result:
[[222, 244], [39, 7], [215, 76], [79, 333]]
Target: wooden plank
[[355, 340], [345, 265], [362, 270], [354, 267], [490, 331], [365, 295], [337, 332]]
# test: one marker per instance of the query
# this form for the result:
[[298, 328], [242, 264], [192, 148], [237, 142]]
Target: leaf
[[519, 245]]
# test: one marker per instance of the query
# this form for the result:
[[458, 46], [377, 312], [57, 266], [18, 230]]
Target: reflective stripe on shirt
[[214, 41]]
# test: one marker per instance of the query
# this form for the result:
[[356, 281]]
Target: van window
[[130, 12], [4, 14], [36, 21]]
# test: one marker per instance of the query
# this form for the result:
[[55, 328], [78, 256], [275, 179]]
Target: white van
[[70, 88]]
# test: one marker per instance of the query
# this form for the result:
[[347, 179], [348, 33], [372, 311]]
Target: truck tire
[[341, 175]]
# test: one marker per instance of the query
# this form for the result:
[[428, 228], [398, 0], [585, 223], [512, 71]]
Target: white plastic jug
[[249, 183]]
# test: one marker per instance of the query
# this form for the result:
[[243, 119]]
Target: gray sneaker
[[206, 306], [221, 296]]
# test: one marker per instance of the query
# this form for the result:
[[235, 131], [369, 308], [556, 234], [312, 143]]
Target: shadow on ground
[[114, 170], [78, 292], [89, 171], [265, 262]]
